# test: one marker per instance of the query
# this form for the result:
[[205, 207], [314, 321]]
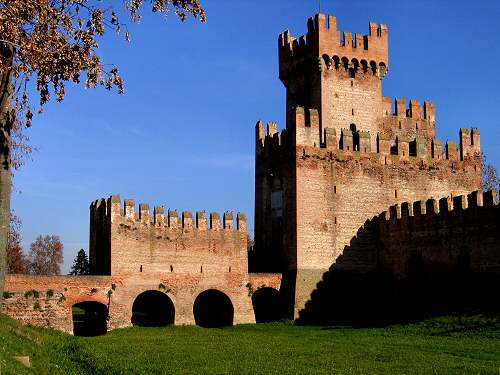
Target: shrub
[[32, 293], [7, 295], [49, 293]]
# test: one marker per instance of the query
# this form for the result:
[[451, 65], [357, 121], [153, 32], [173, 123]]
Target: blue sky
[[182, 135]]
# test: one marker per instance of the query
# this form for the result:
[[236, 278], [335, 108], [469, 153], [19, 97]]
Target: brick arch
[[233, 296], [70, 301], [136, 291], [213, 308]]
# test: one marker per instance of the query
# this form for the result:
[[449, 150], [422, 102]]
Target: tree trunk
[[6, 122]]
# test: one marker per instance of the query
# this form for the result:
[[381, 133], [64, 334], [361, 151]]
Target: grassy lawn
[[468, 344]]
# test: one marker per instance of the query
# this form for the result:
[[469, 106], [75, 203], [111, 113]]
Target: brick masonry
[[345, 154]]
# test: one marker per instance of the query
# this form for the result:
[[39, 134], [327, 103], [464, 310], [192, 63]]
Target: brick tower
[[345, 155]]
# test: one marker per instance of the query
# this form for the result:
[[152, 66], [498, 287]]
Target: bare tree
[[46, 256], [490, 176], [16, 260], [43, 45]]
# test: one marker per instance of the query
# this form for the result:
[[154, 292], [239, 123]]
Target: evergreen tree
[[81, 265]]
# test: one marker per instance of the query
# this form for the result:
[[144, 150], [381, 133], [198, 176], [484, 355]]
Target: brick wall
[[346, 153]]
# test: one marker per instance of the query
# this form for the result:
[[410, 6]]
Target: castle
[[323, 188]]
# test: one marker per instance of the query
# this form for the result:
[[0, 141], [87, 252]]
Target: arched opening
[[89, 318], [364, 65], [336, 61], [373, 66], [153, 309], [267, 305], [354, 67], [355, 137], [327, 61], [213, 309], [383, 69], [345, 62]]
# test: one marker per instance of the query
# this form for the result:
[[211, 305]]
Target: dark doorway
[[355, 137], [153, 309], [212, 309], [89, 318], [267, 305]]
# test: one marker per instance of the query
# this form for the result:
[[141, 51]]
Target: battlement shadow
[[407, 265]]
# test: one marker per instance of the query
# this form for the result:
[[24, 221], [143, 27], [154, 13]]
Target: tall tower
[[345, 155]]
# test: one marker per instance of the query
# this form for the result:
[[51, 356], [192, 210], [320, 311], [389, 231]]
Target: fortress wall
[[51, 305], [329, 191], [45, 301], [156, 242], [443, 236], [428, 258]]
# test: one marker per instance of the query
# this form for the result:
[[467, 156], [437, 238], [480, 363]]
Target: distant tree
[[81, 265], [45, 44], [250, 243], [491, 180], [46, 256], [16, 260]]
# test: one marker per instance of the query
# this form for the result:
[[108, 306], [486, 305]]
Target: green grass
[[468, 344]]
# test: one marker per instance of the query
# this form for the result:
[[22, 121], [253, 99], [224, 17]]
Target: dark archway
[[89, 318], [267, 305], [153, 309], [212, 309]]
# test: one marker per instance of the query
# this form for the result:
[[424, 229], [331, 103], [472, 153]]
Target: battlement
[[112, 211], [392, 146], [325, 44], [403, 108], [451, 205]]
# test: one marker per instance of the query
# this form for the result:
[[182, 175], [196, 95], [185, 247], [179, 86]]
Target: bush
[[7, 295], [49, 293], [32, 293]]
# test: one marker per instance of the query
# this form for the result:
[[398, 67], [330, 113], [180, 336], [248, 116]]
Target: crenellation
[[187, 220], [129, 209], [201, 220], [330, 137], [490, 198], [406, 210], [324, 39], [144, 216], [215, 223], [415, 110], [228, 220], [384, 143], [365, 145], [475, 199], [452, 153], [437, 149], [241, 222], [173, 219], [445, 205], [432, 206], [429, 111], [460, 202], [347, 140], [159, 216]]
